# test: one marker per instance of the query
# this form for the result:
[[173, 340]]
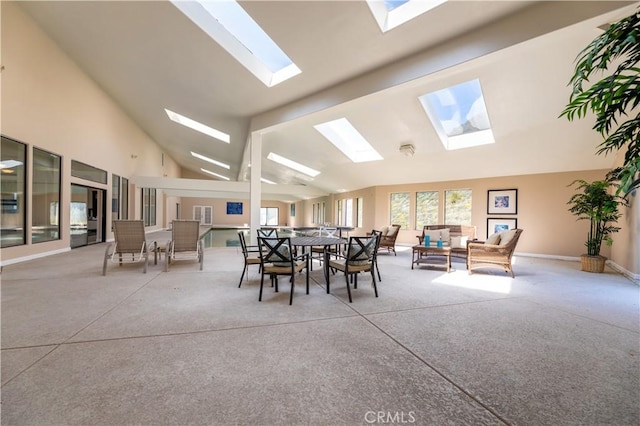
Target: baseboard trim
[[33, 256], [548, 256], [635, 278]]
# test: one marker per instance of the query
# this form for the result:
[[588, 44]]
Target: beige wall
[[49, 103]]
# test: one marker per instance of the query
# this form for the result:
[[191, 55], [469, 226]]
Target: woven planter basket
[[593, 263]]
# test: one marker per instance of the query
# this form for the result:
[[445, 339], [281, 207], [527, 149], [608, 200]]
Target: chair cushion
[[384, 230], [459, 242], [507, 236], [493, 239], [391, 231], [277, 260], [445, 233], [434, 236]]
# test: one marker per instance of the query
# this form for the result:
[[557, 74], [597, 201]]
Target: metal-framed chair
[[185, 243], [130, 245], [360, 256], [278, 258], [251, 256]]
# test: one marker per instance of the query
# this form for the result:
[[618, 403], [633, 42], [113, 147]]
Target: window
[[339, 218], [348, 140], [348, 212], [268, 216], [124, 197], [84, 171], [321, 212], [13, 156], [400, 209], [426, 209], [459, 115], [457, 207], [392, 13], [149, 206], [359, 207], [45, 213], [315, 213], [115, 197]]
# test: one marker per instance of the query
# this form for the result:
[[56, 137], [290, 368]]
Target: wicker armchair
[[388, 239], [483, 255]]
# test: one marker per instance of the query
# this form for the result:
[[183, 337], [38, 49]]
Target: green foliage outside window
[[457, 207], [400, 209]]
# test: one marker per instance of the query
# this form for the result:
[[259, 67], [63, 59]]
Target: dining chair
[[278, 258], [317, 252], [360, 256], [378, 235], [130, 245], [251, 256], [185, 243]]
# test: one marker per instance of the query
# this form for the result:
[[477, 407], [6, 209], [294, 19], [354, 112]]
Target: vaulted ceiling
[[149, 56]]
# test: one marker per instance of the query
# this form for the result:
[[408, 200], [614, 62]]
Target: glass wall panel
[[85, 171], [13, 157], [115, 197], [400, 209], [45, 214], [426, 209], [149, 206], [457, 207]]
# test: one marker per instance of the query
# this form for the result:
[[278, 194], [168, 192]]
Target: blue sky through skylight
[[238, 22], [392, 4], [459, 115]]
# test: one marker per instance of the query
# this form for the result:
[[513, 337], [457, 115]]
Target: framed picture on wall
[[502, 201], [496, 225], [234, 208]]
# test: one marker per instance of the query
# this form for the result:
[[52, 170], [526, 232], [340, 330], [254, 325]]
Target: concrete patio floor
[[554, 346]]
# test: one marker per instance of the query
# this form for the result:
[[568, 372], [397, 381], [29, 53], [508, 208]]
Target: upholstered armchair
[[496, 252]]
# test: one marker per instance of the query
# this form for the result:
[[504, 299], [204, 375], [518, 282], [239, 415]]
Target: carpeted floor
[[554, 346]]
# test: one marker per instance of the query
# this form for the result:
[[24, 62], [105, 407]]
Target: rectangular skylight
[[202, 128], [347, 139], [392, 13], [459, 115], [267, 181], [293, 165], [214, 174], [211, 160], [227, 23]]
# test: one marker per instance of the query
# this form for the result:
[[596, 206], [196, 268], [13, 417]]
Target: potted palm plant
[[596, 203]]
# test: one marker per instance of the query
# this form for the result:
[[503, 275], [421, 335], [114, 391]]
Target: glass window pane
[[13, 156], [115, 197], [348, 212], [359, 212], [457, 207], [85, 171], [125, 199], [400, 209], [426, 209], [339, 213], [45, 214]]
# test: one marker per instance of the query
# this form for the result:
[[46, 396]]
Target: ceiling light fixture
[[210, 160], [214, 174], [199, 127], [293, 165]]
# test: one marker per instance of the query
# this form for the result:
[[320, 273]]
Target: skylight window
[[195, 125], [347, 139], [270, 182], [211, 160], [214, 174], [230, 26], [392, 13], [293, 165], [459, 115]]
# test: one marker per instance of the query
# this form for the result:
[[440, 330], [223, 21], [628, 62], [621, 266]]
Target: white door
[[203, 214]]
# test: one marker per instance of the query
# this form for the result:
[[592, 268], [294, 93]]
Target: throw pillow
[[507, 236], [385, 231], [279, 261], [363, 256], [459, 242], [392, 231], [493, 239], [446, 235]]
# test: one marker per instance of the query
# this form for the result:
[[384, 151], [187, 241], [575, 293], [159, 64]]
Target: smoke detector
[[407, 149]]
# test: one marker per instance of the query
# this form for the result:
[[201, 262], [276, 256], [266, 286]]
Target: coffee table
[[432, 256]]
